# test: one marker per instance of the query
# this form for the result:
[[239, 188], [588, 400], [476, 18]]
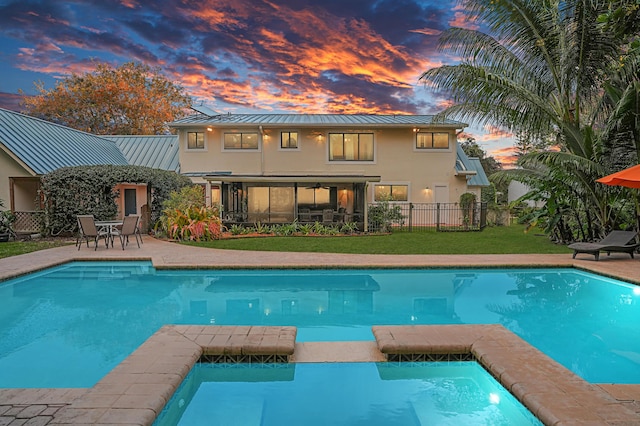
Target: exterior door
[[130, 206]]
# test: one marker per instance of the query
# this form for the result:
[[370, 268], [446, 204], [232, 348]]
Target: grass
[[492, 240], [14, 248]]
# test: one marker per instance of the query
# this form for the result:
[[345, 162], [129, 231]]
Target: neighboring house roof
[[315, 120], [471, 168], [157, 152], [41, 146]]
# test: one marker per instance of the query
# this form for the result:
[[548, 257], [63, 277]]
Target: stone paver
[[58, 402]]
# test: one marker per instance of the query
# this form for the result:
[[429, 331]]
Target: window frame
[[432, 147], [196, 148], [344, 160], [391, 185], [289, 149], [258, 148]]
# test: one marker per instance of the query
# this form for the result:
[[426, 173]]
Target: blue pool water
[[384, 394], [70, 325]]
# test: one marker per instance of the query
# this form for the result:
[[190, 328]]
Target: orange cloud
[[462, 20], [426, 31]]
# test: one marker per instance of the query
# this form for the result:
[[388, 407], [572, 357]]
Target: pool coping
[[137, 390], [43, 404]]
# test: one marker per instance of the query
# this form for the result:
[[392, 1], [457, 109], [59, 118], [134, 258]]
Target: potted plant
[[6, 224]]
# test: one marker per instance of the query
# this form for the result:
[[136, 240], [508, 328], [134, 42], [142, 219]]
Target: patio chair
[[88, 231], [129, 227], [304, 215], [614, 242], [327, 216]]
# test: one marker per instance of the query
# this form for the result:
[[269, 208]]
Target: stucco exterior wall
[[396, 160], [9, 168]]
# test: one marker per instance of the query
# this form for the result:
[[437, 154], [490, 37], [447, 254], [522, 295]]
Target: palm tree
[[540, 70]]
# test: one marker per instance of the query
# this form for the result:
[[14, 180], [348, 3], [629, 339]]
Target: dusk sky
[[245, 56]]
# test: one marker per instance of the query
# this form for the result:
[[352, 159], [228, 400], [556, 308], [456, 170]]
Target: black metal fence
[[438, 216]]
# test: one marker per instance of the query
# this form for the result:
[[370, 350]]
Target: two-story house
[[283, 167]]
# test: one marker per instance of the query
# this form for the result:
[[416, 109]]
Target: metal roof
[[157, 152], [43, 146], [314, 120], [480, 178], [471, 168]]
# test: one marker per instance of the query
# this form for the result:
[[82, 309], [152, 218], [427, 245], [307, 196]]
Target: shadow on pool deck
[[40, 406]]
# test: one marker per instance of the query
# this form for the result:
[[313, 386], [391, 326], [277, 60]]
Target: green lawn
[[14, 248], [492, 240]]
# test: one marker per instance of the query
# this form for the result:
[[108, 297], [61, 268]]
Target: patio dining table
[[110, 226]]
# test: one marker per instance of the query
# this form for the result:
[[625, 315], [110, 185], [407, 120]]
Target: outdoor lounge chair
[[615, 242], [129, 227], [89, 231]]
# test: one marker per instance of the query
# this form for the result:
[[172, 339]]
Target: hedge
[[70, 191]]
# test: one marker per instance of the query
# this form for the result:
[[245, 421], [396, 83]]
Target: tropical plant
[[261, 228], [305, 228], [550, 69], [318, 228], [285, 229], [192, 224], [7, 219], [237, 229], [349, 228]]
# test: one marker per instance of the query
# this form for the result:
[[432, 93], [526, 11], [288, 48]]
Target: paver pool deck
[[118, 399]]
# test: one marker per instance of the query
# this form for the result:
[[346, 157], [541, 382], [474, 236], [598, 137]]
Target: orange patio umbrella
[[629, 178]]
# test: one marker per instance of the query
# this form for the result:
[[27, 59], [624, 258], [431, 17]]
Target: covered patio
[[269, 199]]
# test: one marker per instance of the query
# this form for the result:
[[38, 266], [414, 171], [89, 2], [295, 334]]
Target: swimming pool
[[70, 325], [343, 394]]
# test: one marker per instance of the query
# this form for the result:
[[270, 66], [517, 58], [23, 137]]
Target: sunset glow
[[298, 56]]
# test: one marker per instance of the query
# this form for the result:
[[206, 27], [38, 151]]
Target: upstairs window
[[195, 140], [289, 140], [350, 146], [391, 193], [428, 140], [241, 141]]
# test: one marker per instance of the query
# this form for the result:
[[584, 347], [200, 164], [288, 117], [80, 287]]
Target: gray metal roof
[[472, 168], [314, 120], [157, 152], [43, 146]]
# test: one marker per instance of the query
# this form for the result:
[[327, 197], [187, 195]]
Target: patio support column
[[207, 194], [366, 209]]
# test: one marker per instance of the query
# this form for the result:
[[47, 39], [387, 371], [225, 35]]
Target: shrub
[[467, 205], [188, 196], [383, 215], [349, 228], [193, 224], [185, 217], [70, 191]]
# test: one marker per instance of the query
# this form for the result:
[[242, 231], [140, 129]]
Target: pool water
[[372, 394], [70, 325]]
